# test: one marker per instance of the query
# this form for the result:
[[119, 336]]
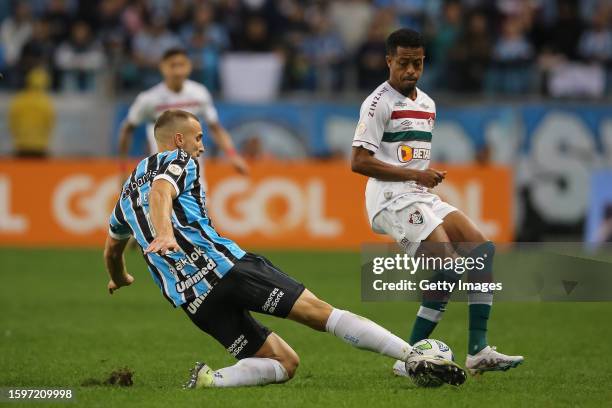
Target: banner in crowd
[[281, 205]]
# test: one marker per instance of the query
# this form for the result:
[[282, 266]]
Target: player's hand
[[430, 178], [162, 245], [239, 164], [115, 285]]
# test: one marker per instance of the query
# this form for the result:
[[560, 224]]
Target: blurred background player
[[392, 146], [218, 284], [176, 92], [32, 116]]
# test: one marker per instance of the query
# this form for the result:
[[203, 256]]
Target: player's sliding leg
[[274, 362], [367, 335], [481, 357], [351, 328]]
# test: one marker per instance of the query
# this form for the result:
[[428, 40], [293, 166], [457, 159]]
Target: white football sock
[[367, 335], [250, 371]]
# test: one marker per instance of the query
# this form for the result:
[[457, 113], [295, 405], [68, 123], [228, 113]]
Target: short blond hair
[[171, 118]]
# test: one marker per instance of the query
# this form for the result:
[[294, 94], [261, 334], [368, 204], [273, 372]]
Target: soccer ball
[[432, 348], [428, 348]]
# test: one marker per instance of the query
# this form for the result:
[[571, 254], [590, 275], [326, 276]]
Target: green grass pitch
[[59, 327]]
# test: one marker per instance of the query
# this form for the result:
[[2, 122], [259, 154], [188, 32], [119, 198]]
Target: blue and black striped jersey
[[205, 257]]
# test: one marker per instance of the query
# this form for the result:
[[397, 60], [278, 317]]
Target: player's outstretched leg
[[367, 335], [274, 362]]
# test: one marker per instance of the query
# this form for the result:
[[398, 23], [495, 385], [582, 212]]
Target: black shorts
[[253, 284]]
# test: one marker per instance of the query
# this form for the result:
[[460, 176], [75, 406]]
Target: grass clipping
[[121, 377]]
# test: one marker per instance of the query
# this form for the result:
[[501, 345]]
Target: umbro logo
[[407, 124]]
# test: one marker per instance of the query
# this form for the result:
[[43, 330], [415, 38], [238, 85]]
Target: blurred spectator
[[178, 15], [371, 63], [15, 32], [325, 53], [443, 40], [135, 16], [203, 23], [470, 56], [205, 58], [108, 19], [564, 35], [37, 51], [255, 37], [296, 30], [512, 56], [32, 117], [148, 47], [316, 38], [596, 42], [411, 13], [351, 19], [59, 18], [79, 59]]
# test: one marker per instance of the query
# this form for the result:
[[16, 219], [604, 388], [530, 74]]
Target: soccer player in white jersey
[[176, 91], [391, 146]]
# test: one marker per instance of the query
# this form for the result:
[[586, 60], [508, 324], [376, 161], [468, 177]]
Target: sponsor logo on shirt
[[137, 183], [192, 280], [407, 124], [407, 153], [195, 304]]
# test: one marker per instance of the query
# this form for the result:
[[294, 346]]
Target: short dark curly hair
[[171, 52], [404, 37]]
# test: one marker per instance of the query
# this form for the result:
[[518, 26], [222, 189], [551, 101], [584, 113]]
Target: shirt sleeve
[[180, 169], [208, 110], [140, 111], [373, 116], [118, 227]]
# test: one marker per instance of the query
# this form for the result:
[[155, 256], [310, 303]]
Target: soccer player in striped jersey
[[176, 91], [216, 283], [392, 146]]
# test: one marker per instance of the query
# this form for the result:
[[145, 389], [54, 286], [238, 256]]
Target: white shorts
[[411, 218]]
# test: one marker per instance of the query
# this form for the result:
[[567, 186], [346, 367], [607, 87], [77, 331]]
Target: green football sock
[[479, 316], [479, 302], [428, 316]]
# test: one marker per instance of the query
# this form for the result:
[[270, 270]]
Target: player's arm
[[222, 138], [218, 133], [115, 263], [125, 138], [139, 112], [364, 162]]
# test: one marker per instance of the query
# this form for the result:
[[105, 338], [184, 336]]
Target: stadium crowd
[[510, 47]]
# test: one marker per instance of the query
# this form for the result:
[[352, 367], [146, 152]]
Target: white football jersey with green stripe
[[398, 131]]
